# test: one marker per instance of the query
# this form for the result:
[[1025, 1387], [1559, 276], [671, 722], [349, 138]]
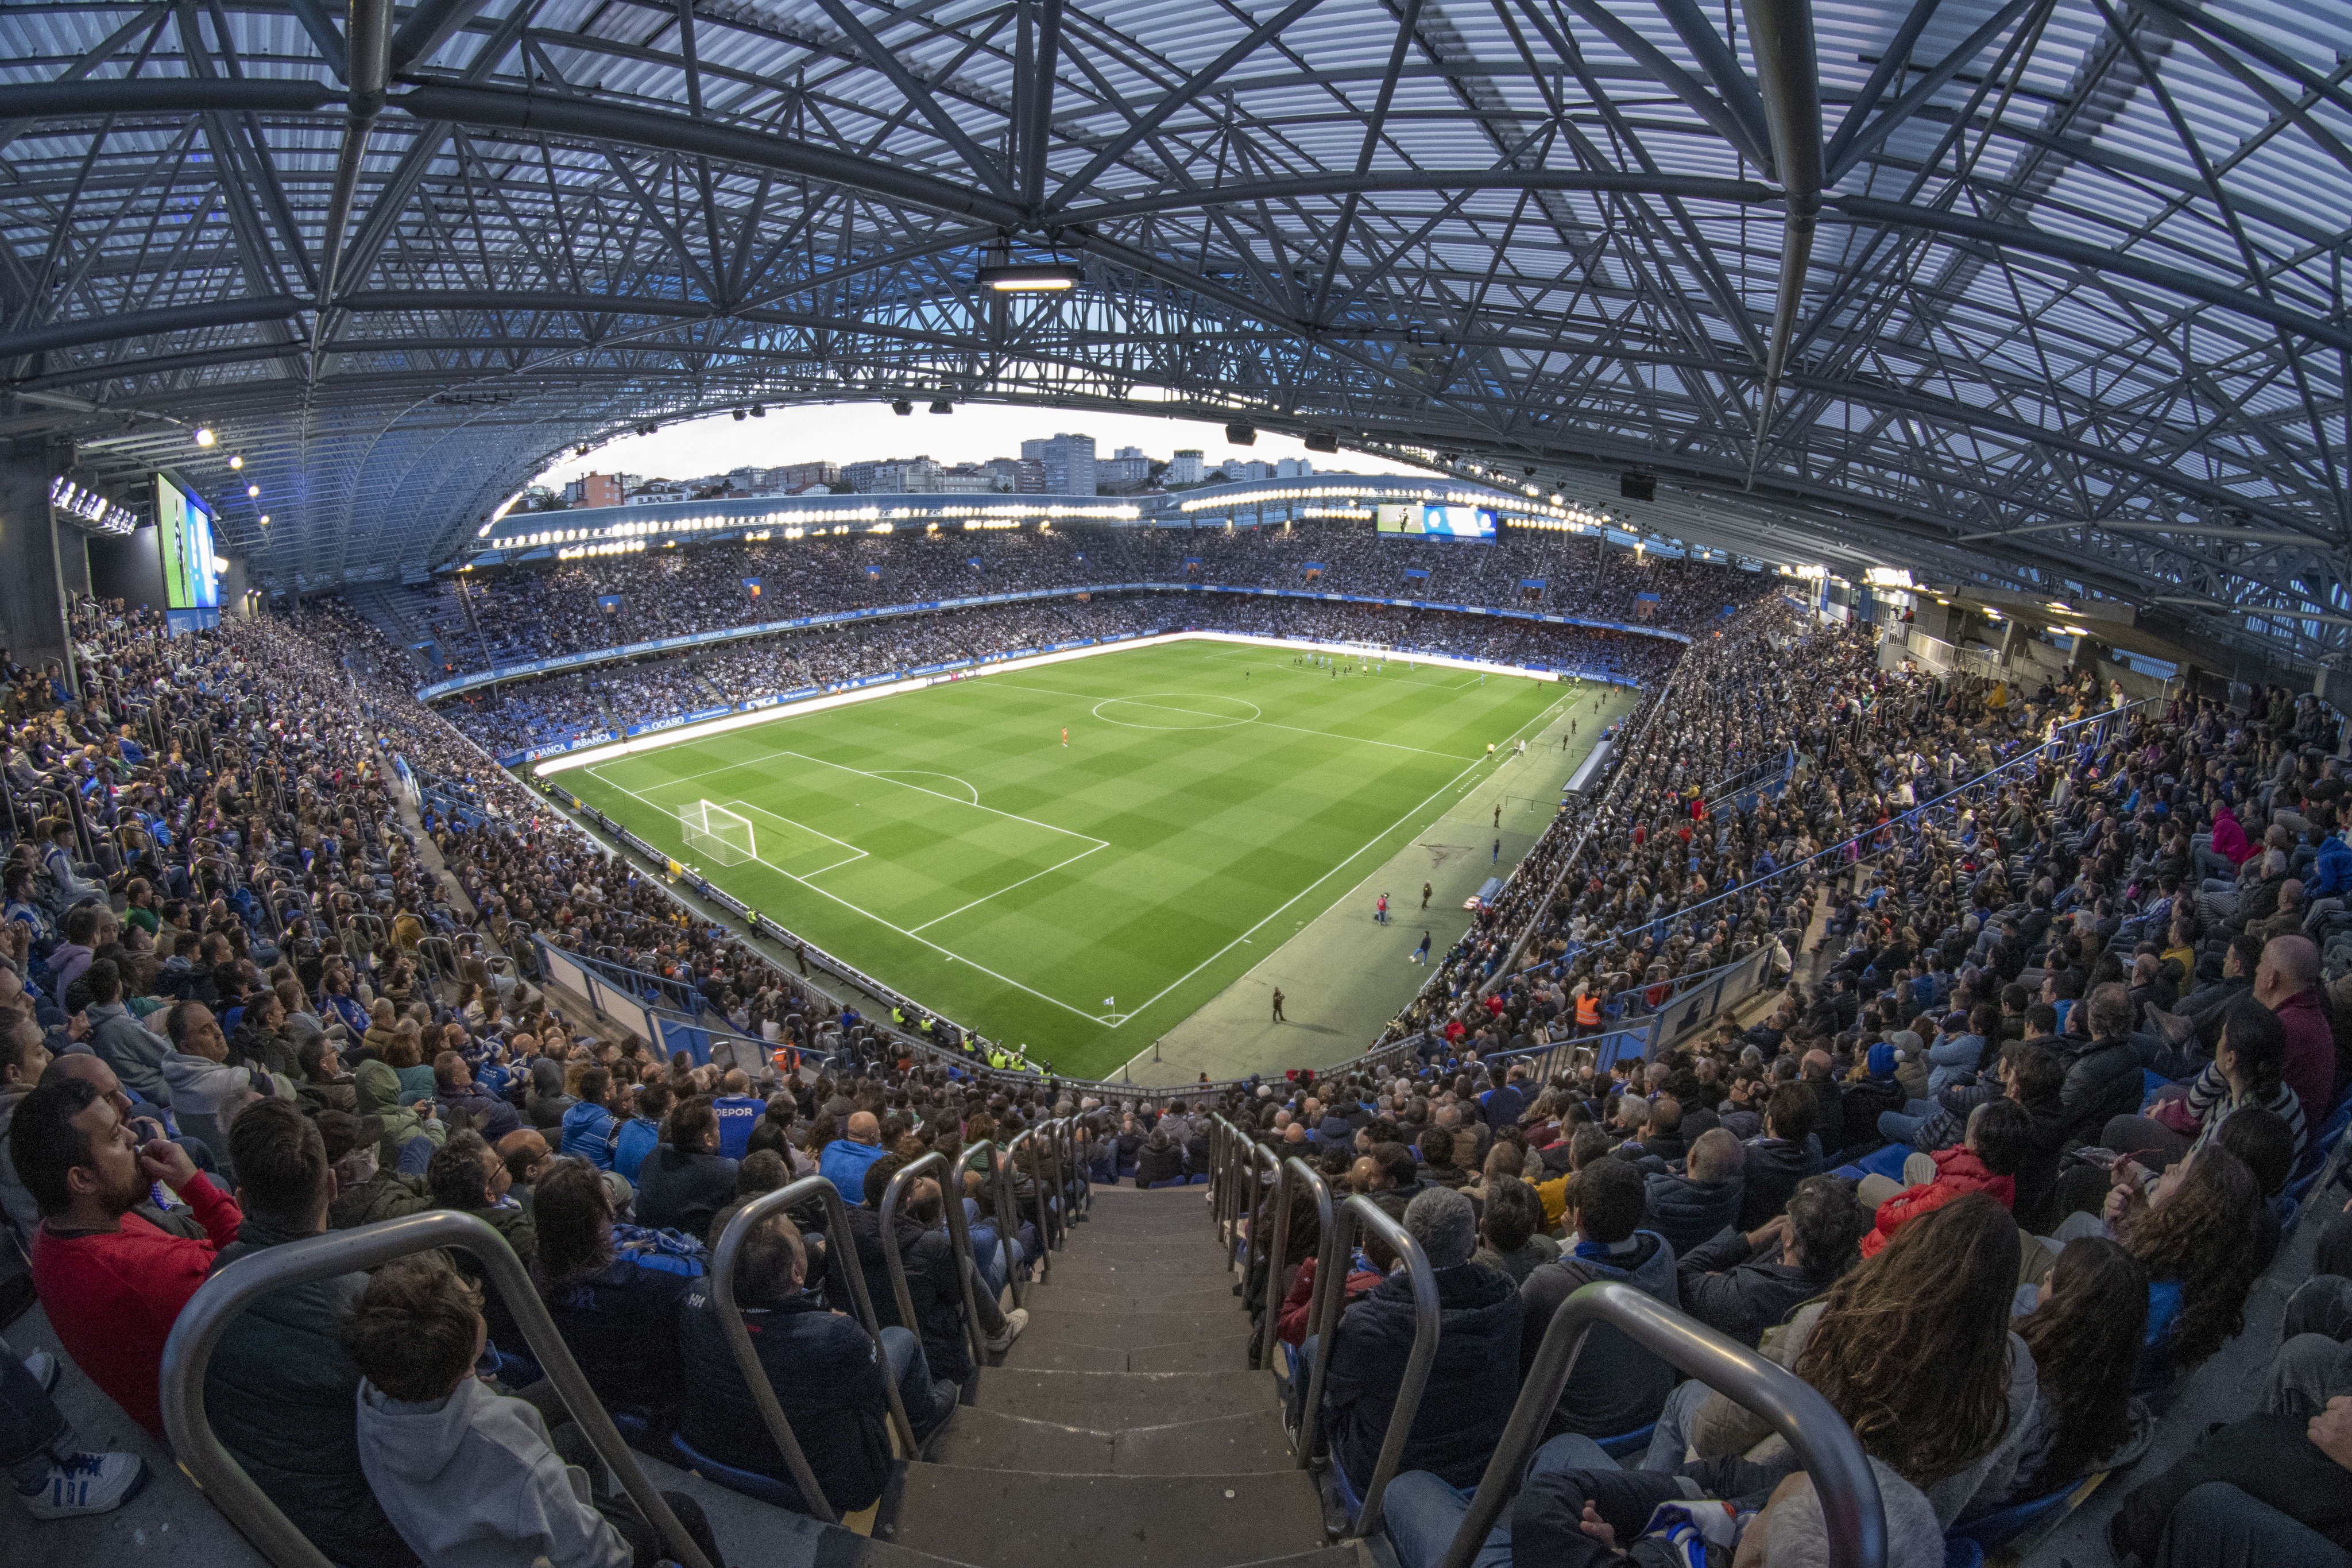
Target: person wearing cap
[[365, 1190]]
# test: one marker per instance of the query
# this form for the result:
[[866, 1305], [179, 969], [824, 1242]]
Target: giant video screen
[[183, 528], [1435, 521]]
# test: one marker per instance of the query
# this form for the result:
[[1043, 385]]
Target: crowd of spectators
[[545, 709], [1995, 1174], [221, 1031], [2030, 1106], [533, 611]]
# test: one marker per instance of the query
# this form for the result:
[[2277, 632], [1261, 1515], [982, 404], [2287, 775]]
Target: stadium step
[[990, 1440], [1123, 1422], [1059, 1520]]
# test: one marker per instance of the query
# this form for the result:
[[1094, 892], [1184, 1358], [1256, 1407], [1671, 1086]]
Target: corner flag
[[1110, 1001]]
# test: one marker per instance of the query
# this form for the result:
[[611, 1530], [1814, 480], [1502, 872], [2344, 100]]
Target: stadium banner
[[503, 673]]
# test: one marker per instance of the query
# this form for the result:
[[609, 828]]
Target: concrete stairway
[[1124, 1424]]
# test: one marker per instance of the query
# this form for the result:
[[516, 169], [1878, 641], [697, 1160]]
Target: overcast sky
[[851, 432]]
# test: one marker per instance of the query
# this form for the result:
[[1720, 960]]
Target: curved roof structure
[[2043, 296]]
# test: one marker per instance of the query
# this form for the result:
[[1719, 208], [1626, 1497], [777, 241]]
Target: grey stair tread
[[1223, 1445], [1098, 1263], [1346, 1554], [1082, 1521], [1130, 1329], [1054, 1355], [1227, 1355], [1153, 1293], [755, 1534], [981, 1438], [1108, 1400], [1192, 1257]]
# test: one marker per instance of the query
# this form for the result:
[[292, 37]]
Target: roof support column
[[1781, 35]]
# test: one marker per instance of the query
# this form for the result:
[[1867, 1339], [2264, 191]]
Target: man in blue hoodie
[[1617, 1386], [845, 1159], [588, 1126]]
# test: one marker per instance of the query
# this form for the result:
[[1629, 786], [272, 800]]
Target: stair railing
[[1824, 1443], [935, 1166], [1330, 1294], [1260, 1159], [239, 1284], [1045, 1242], [1295, 1173], [1005, 1195], [839, 1244]]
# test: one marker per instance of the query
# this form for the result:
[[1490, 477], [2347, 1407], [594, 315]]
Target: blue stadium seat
[[1991, 1530], [1886, 1161], [1626, 1444], [750, 1483]]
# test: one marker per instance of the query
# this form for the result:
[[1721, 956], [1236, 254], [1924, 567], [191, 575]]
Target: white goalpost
[[724, 835]]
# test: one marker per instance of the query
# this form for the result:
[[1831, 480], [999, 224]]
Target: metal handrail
[[1329, 1294], [1824, 1443], [1037, 1189], [738, 1335], [238, 1285], [1008, 1214], [1224, 1137], [1277, 1254], [934, 1165], [1254, 1247]]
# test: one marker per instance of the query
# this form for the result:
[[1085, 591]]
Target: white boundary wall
[[656, 741]]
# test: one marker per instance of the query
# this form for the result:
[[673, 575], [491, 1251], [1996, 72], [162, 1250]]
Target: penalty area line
[[951, 956]]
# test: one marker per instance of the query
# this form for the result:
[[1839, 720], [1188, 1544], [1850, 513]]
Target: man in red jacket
[[2287, 982], [112, 1283]]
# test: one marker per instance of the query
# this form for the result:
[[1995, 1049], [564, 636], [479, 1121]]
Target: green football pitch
[[1077, 900]]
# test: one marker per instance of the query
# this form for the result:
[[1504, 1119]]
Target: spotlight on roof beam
[[759, 410], [1316, 442], [1241, 434], [1030, 277], [902, 407], [251, 491], [205, 436], [942, 405], [739, 416], [237, 461]]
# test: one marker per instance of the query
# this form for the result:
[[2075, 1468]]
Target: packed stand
[[207, 1052], [548, 709], [608, 601]]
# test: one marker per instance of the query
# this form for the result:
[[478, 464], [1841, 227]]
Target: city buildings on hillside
[[1069, 462], [1062, 464]]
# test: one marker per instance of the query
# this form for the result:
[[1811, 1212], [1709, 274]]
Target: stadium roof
[[2043, 296]]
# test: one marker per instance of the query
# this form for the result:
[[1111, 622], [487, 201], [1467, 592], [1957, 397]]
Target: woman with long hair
[[1913, 1348], [2085, 1333], [2197, 1231]]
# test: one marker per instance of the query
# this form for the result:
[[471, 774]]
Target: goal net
[[723, 835]]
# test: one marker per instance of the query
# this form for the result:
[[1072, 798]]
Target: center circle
[[1173, 710]]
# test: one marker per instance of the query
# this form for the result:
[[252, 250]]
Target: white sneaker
[[1014, 1321], [44, 1368], [83, 1484]]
